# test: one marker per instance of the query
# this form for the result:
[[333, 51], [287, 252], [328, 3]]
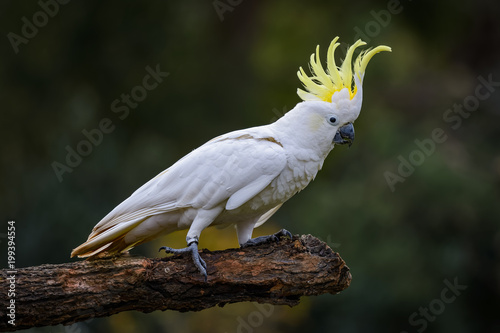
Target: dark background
[[236, 69]]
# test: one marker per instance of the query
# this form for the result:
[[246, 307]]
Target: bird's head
[[332, 97]]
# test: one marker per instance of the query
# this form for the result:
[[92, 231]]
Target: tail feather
[[109, 241]]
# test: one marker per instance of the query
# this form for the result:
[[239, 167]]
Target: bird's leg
[[193, 249], [264, 239]]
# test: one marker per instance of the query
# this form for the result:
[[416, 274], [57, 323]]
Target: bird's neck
[[294, 132]]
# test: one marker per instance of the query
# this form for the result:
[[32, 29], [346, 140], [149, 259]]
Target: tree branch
[[275, 273]]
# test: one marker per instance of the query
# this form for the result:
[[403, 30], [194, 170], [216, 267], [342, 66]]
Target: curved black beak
[[344, 135]]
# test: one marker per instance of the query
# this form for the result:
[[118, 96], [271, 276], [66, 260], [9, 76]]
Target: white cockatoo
[[242, 177]]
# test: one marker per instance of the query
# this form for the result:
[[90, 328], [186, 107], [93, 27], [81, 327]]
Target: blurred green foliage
[[236, 69]]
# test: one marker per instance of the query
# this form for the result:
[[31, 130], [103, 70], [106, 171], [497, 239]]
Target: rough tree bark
[[275, 273]]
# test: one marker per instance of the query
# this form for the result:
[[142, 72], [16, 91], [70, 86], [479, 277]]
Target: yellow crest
[[323, 84]]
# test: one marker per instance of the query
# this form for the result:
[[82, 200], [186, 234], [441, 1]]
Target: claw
[[264, 239], [193, 249], [203, 263], [283, 233]]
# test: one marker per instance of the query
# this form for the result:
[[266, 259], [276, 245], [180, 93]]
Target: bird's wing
[[232, 168]]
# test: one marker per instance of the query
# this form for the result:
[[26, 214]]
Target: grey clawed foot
[[193, 249], [264, 239], [283, 233]]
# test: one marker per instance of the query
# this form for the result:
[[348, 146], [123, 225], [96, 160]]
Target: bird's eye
[[332, 120]]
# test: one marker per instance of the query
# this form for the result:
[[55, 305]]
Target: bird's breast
[[295, 177]]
